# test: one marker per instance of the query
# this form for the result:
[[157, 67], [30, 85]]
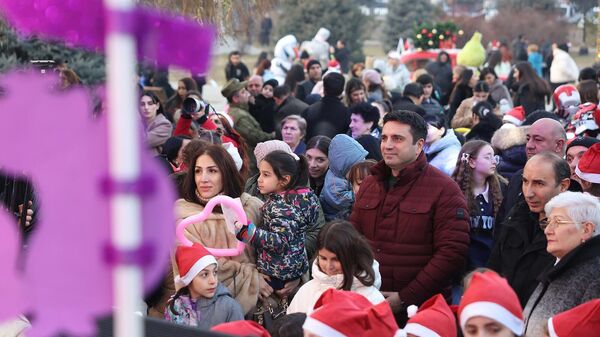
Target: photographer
[[194, 115]]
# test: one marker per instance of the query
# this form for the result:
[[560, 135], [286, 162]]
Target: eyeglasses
[[544, 223], [495, 159]]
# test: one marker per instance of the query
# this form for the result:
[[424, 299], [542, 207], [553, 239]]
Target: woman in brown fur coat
[[212, 172]]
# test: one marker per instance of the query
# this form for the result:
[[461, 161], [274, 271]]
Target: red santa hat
[[242, 328], [588, 167], [515, 116], [583, 320], [433, 319], [345, 313], [190, 261], [489, 295]]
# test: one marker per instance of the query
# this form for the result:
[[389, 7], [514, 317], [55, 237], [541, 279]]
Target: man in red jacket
[[413, 215]]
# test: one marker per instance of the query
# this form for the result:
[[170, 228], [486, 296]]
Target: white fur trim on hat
[[412, 310], [420, 330], [493, 311], [512, 119], [589, 177], [202, 263], [319, 328], [551, 331], [400, 333]]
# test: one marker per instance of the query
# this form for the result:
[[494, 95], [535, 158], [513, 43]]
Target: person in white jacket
[[563, 69], [345, 262]]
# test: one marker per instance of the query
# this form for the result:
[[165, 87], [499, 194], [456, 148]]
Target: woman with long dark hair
[[158, 128], [317, 155], [532, 90], [183, 86], [463, 89]]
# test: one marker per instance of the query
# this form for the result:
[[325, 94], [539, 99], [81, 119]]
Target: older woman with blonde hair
[[293, 131], [571, 229]]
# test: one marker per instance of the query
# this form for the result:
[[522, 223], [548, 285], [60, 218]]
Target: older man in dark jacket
[[413, 215], [520, 251]]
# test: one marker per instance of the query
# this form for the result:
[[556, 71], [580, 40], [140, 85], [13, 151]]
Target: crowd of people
[[385, 203]]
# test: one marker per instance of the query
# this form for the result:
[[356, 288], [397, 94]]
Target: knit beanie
[[264, 148]]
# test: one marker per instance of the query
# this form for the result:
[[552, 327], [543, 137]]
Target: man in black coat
[[286, 105], [329, 116], [314, 71], [520, 251]]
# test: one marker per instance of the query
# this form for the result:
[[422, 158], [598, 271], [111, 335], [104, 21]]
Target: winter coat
[[442, 75], [572, 281], [405, 103], [529, 100], [396, 79], [461, 92], [563, 68], [536, 60], [337, 196], [237, 273], [248, 127], [304, 89], [328, 117], [519, 253], [311, 232], [157, 132], [498, 92], [279, 241], [418, 228], [239, 71], [509, 144], [306, 297], [205, 313], [432, 106], [443, 153], [263, 110]]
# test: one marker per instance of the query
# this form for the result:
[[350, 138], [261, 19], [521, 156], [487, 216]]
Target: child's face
[[329, 263], [267, 180], [485, 163], [484, 327], [205, 283], [267, 91]]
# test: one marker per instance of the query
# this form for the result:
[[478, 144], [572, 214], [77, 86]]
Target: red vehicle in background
[[414, 59]]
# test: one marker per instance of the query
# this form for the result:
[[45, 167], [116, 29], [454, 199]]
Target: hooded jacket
[[337, 196], [306, 297], [205, 312], [563, 68], [443, 153], [509, 142], [498, 91]]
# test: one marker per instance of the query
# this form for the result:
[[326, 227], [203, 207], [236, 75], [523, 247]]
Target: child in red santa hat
[[345, 314], [432, 319], [583, 320], [202, 301], [490, 306]]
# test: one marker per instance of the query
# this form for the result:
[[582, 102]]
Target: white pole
[[124, 165]]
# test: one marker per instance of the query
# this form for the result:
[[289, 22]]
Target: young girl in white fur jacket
[[344, 261]]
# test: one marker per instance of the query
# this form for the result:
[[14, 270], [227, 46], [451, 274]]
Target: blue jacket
[[443, 153], [337, 197], [536, 60]]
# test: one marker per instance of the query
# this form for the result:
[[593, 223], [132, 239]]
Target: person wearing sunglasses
[[571, 229]]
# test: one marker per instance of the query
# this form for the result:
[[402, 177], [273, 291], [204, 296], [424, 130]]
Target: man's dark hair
[[333, 84], [559, 165], [537, 115], [587, 73], [281, 91], [418, 126], [424, 79], [235, 52]]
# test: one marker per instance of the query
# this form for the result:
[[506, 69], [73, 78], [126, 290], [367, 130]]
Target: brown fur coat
[[239, 273]]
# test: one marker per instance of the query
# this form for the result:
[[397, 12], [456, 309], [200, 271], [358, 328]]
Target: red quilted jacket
[[418, 229]]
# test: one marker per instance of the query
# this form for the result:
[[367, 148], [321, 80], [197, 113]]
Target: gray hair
[[301, 123], [581, 208]]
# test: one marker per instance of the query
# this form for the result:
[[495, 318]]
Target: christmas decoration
[[440, 35]]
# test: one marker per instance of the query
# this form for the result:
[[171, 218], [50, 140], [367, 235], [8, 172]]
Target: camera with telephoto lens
[[191, 106]]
